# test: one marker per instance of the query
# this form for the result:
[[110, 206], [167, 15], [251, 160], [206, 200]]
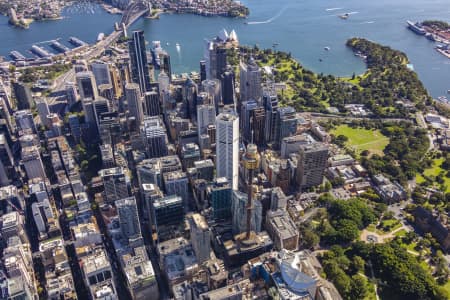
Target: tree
[[310, 239], [358, 287], [358, 264]]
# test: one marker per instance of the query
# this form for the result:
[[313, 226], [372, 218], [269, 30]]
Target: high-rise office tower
[[71, 93], [220, 196], [166, 66], [250, 81], [246, 113], [213, 88], [32, 162], [287, 122], [206, 115], [107, 91], [101, 73], [270, 102], [258, 125], [43, 110], [6, 162], [89, 112], [311, 164], [227, 148], [101, 106], [200, 237], [217, 59], [24, 120], [154, 137], [151, 103], [134, 100], [87, 85], [202, 70], [190, 90], [228, 86], [164, 81], [116, 184], [128, 218], [140, 73], [22, 92]]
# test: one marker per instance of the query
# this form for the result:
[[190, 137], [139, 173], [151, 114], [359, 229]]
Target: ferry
[[16, 55], [327, 48], [416, 28], [344, 16]]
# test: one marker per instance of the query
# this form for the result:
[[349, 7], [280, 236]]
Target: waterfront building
[[227, 148], [140, 73]]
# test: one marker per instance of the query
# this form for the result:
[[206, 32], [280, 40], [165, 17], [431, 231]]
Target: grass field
[[433, 172], [361, 139]]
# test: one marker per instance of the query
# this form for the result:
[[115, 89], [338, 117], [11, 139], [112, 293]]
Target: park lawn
[[361, 139], [434, 171], [400, 233]]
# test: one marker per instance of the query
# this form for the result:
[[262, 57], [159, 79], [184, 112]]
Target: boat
[[344, 16], [100, 36], [448, 91], [416, 28], [327, 48]]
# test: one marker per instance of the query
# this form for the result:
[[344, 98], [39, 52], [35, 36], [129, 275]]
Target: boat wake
[[271, 19], [353, 13], [334, 8], [368, 22]]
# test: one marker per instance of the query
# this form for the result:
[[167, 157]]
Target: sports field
[[361, 139]]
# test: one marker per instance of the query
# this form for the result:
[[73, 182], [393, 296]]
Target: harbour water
[[302, 27]]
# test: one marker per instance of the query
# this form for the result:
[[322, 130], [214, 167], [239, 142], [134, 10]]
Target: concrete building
[[116, 184], [152, 170], [312, 162], [154, 137], [221, 198], [168, 210], [135, 103], [139, 274], [227, 148], [282, 230], [129, 219], [176, 183], [250, 81], [239, 213], [206, 115], [7, 170], [43, 110], [152, 104], [101, 73], [32, 162], [87, 85], [200, 237], [140, 73]]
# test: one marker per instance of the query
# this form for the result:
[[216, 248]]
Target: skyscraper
[[227, 148], [128, 218], [101, 73], [311, 165], [151, 103], [134, 99], [101, 106], [23, 95], [190, 90], [206, 115], [228, 87], [287, 122], [116, 184], [270, 102], [246, 114], [138, 58], [213, 88], [154, 137], [220, 195], [43, 110], [87, 85], [202, 70], [200, 237], [6, 162], [250, 81]]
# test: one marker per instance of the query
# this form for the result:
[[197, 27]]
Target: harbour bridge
[[135, 10]]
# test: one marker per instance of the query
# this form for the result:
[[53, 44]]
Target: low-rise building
[[282, 230]]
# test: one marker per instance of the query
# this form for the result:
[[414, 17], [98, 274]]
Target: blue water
[[302, 27]]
